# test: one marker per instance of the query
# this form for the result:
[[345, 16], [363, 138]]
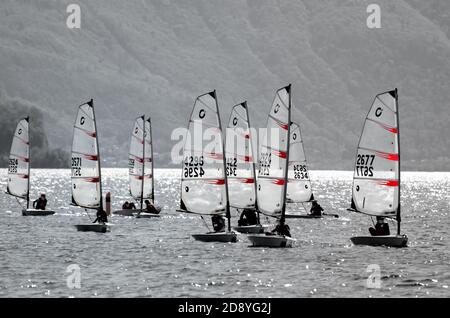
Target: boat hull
[[302, 216], [33, 212], [99, 228], [145, 215], [385, 240], [124, 212], [251, 229], [264, 240], [224, 237]]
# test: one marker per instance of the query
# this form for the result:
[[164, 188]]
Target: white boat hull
[[127, 212], [99, 228], [384, 240], [145, 215], [264, 240], [34, 212], [251, 229], [225, 237]]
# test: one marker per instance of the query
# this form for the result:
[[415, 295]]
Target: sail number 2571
[[193, 167], [364, 165], [76, 166]]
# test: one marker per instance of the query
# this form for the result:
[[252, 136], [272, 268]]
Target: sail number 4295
[[193, 167], [364, 165]]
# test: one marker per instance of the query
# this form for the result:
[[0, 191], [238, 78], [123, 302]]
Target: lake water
[[158, 258]]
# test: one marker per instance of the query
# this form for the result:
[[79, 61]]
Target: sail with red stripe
[[86, 177], [19, 162], [299, 185], [203, 180], [376, 180], [239, 159], [136, 159], [272, 174]]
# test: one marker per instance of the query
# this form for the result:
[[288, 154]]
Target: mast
[[283, 211], [143, 164], [227, 209], [29, 162], [91, 103], [399, 161], [244, 104], [152, 161]]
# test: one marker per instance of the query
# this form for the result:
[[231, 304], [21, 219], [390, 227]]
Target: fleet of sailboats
[[219, 170]]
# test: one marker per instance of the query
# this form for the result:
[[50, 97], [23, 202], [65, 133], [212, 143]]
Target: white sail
[[376, 177], [136, 159], [148, 163], [299, 185], [203, 180], [86, 180], [19, 162], [272, 174], [239, 159]]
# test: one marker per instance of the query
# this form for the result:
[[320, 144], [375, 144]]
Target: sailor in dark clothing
[[132, 206], [248, 217], [126, 206], [316, 209], [150, 208], [282, 229], [381, 227], [218, 223], [102, 218], [41, 203]]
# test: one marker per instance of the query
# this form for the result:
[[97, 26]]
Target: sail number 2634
[[193, 167], [76, 166], [364, 165]]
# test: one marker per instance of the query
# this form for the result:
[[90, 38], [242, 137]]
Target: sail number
[[300, 172], [193, 167], [364, 165], [231, 167], [12, 167], [131, 165], [264, 164], [76, 166]]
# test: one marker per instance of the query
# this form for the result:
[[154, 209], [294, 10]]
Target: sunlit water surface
[[158, 257]]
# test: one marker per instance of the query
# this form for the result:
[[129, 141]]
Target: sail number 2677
[[364, 165]]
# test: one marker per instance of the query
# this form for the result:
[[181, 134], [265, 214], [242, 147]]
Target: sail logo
[[74, 279], [379, 112], [374, 279], [74, 19], [374, 19]]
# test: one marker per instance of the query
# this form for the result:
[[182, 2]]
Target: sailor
[[40, 203], [282, 229], [126, 206], [102, 218], [316, 209], [381, 227], [218, 223], [248, 217], [150, 208]]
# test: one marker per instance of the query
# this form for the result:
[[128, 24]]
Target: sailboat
[[241, 170], [376, 178], [273, 169], [86, 171], [140, 161], [204, 185], [299, 189], [18, 184]]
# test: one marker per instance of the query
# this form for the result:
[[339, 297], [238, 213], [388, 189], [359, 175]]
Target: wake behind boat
[[273, 171], [18, 184], [86, 170], [376, 178], [204, 186]]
